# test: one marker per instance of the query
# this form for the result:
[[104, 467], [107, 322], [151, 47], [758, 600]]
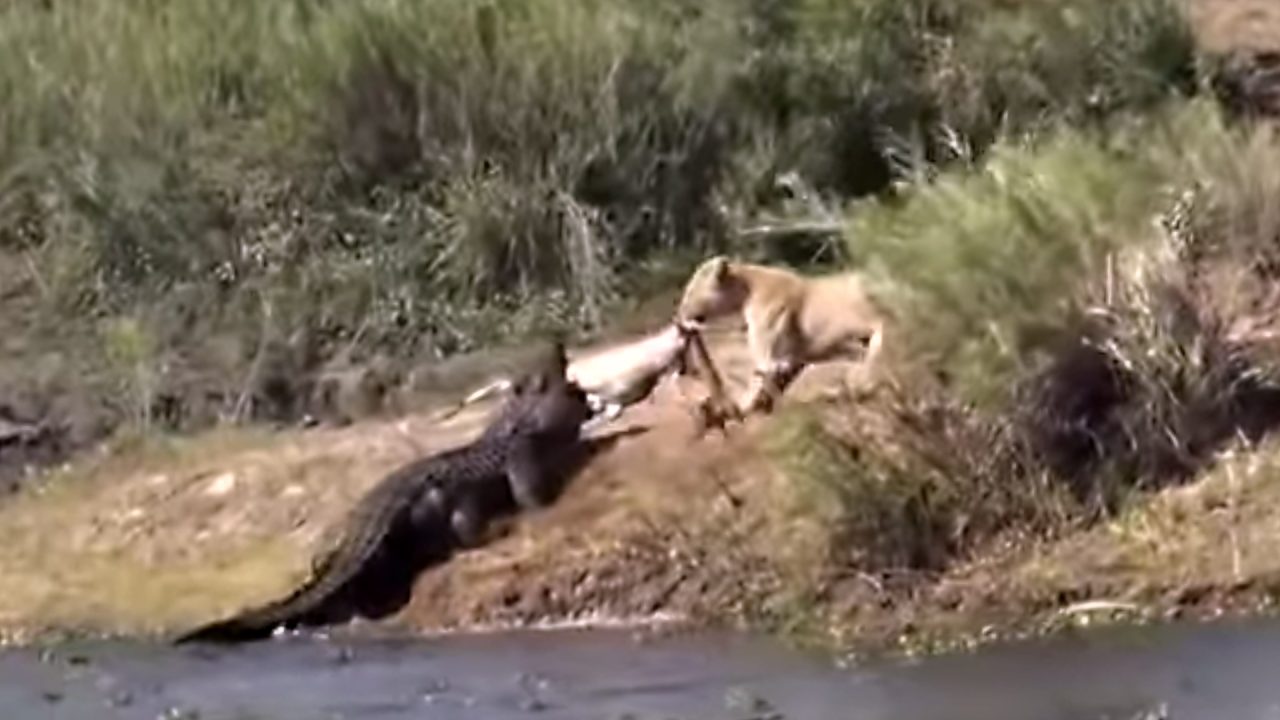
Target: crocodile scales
[[423, 510]]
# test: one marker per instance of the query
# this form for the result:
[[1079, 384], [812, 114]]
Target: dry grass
[[1088, 321], [162, 533], [1210, 534]]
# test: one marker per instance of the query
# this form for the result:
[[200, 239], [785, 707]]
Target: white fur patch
[[776, 367]]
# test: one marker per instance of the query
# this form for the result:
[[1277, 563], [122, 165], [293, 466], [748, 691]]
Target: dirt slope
[[154, 539], [157, 537]]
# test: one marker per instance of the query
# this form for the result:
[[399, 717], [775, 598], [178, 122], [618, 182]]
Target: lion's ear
[[720, 268]]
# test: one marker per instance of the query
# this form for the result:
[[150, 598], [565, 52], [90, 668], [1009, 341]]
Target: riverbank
[[157, 536], [1086, 300]]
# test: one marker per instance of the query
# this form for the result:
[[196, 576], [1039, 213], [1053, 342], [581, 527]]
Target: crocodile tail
[[255, 625], [372, 523], [261, 622]]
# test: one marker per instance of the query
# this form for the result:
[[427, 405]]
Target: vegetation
[[262, 190], [210, 210], [1086, 319]]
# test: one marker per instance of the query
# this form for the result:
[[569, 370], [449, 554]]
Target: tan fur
[[792, 320], [627, 373]]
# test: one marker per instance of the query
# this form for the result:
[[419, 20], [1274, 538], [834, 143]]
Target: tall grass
[[984, 262], [1000, 272], [386, 176], [1099, 308]]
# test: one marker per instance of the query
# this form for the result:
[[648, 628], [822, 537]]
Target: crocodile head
[[543, 400], [546, 370]]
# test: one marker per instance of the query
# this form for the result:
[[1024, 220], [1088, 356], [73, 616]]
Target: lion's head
[[712, 291]]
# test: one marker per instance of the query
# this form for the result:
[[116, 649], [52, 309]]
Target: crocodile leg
[[468, 522], [431, 507]]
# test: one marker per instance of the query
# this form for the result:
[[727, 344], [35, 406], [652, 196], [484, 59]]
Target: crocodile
[[430, 507], [537, 398]]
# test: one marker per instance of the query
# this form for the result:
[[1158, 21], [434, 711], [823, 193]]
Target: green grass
[[1084, 317], [984, 262], [994, 267], [325, 181]]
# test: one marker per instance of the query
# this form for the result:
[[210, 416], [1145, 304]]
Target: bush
[[983, 262], [909, 486], [1101, 299]]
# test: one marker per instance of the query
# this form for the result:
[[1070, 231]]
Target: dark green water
[[1216, 672]]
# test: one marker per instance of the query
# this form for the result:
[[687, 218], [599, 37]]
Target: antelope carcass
[[622, 375]]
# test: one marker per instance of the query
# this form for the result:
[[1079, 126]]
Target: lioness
[[792, 320]]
